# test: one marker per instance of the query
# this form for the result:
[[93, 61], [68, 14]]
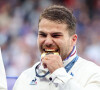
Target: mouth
[[50, 51]]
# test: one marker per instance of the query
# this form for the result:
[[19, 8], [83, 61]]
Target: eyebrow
[[40, 32], [57, 33], [52, 32]]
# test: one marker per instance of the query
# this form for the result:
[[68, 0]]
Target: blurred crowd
[[19, 26]]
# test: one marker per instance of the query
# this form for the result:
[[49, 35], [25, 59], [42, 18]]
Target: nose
[[48, 41]]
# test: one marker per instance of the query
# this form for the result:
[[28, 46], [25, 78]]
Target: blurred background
[[19, 26]]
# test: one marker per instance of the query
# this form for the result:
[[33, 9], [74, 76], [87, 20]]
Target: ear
[[74, 39]]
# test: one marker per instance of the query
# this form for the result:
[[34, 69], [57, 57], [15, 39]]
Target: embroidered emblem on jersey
[[71, 74], [33, 82]]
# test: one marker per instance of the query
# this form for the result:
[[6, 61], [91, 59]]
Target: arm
[[3, 82], [66, 82]]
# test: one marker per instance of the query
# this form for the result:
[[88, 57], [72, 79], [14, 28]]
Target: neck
[[72, 53]]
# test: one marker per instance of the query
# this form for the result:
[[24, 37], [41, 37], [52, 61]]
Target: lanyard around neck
[[67, 67], [70, 65]]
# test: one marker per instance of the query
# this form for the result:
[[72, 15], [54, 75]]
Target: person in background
[[3, 82], [60, 68]]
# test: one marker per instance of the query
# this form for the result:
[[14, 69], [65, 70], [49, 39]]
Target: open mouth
[[50, 51]]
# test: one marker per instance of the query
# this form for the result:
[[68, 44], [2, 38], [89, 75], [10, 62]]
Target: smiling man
[[60, 68]]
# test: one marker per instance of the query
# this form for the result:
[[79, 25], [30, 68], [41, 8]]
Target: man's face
[[54, 37]]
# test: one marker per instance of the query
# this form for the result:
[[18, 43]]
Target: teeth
[[49, 50], [45, 53]]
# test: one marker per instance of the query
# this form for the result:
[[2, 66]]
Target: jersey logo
[[71, 74], [33, 82]]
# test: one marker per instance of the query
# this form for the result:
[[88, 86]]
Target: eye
[[56, 35], [42, 35]]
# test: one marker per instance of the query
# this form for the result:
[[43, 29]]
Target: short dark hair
[[60, 14]]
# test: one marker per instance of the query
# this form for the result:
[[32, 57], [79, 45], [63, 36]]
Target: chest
[[40, 84]]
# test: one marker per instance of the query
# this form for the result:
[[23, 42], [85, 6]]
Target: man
[[60, 68], [3, 82]]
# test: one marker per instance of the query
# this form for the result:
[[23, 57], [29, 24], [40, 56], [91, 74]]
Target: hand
[[52, 62]]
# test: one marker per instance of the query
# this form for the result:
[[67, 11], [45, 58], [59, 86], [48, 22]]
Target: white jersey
[[3, 82], [84, 75]]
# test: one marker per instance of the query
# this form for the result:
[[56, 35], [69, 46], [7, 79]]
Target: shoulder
[[25, 78], [88, 65], [28, 73], [86, 71]]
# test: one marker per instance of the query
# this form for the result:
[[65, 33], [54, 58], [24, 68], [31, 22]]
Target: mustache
[[49, 46]]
